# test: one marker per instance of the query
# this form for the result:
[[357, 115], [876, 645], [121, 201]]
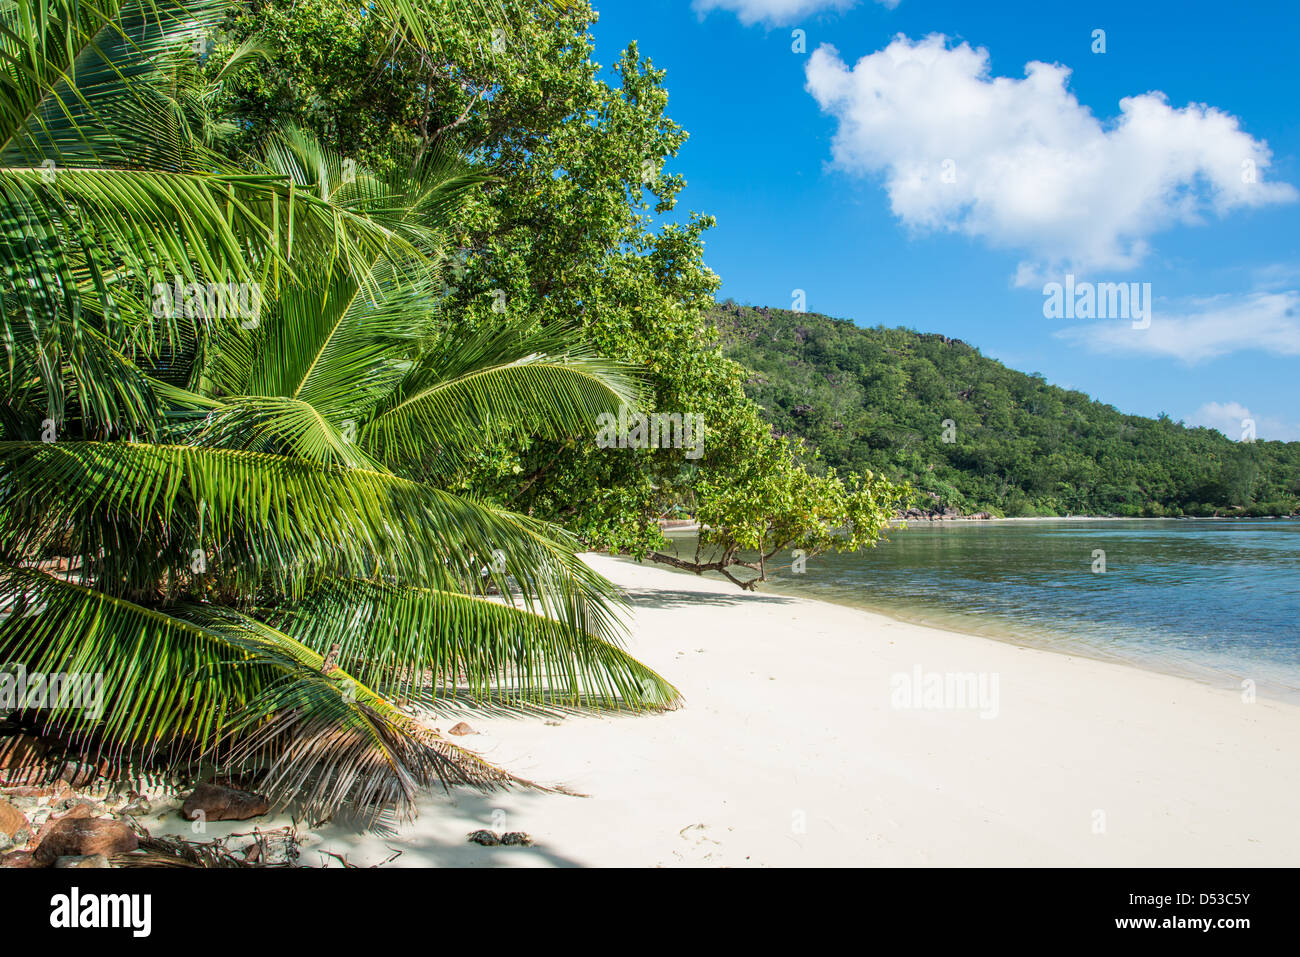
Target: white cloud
[[1022, 164], [1206, 329], [1230, 418], [1275, 276], [774, 12]]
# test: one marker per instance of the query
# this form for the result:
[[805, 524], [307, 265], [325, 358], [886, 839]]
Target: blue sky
[[905, 169]]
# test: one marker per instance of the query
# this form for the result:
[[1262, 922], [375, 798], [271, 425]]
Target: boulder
[[83, 837], [58, 789], [75, 812], [78, 774], [216, 802], [17, 859], [15, 829], [90, 860]]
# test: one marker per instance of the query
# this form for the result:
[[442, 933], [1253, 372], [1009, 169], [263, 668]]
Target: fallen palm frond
[[174, 852]]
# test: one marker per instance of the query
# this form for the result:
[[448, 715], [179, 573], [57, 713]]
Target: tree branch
[[721, 566]]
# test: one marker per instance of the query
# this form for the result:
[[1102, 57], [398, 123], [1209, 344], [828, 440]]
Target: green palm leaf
[[98, 95], [495, 22], [340, 348], [430, 644], [280, 426], [271, 521], [188, 683], [252, 467], [510, 381]]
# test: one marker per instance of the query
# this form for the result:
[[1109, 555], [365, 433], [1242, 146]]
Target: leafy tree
[[577, 226], [230, 518], [974, 435]]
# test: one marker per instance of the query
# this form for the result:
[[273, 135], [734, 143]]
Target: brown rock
[[219, 803], [17, 859], [31, 776], [13, 823], [78, 774], [461, 728], [28, 792], [82, 837], [75, 813]]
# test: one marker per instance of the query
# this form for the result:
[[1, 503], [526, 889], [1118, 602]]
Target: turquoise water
[[1214, 600]]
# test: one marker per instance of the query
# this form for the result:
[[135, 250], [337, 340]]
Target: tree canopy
[[579, 225], [975, 435], [311, 315]]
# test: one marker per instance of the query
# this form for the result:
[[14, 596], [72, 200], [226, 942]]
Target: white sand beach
[[788, 752]]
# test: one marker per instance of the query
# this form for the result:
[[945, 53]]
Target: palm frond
[[279, 426], [106, 392], [100, 97], [269, 521], [328, 741], [400, 215], [192, 683], [431, 645], [81, 233], [514, 381], [340, 347], [495, 22]]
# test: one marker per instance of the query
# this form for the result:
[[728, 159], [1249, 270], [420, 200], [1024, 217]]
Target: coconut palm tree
[[255, 555]]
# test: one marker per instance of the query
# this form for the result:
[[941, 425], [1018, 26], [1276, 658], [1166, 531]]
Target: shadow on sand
[[448, 848], [662, 598]]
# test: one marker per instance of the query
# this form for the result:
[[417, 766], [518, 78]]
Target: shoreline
[[793, 748], [991, 628], [901, 521], [1109, 518], [1062, 644], [1106, 518]]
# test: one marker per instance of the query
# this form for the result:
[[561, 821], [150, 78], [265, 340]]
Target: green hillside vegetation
[[877, 398]]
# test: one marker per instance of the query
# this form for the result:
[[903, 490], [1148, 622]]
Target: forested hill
[[878, 398]]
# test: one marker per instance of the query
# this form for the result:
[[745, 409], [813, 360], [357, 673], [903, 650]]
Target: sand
[[794, 748]]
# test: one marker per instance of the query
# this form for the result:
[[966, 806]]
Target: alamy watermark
[[209, 300], [21, 690], [74, 910], [656, 430], [1102, 300], [945, 691]]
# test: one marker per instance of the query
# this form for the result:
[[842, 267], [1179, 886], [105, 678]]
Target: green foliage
[[772, 503], [575, 229], [877, 398], [232, 521]]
